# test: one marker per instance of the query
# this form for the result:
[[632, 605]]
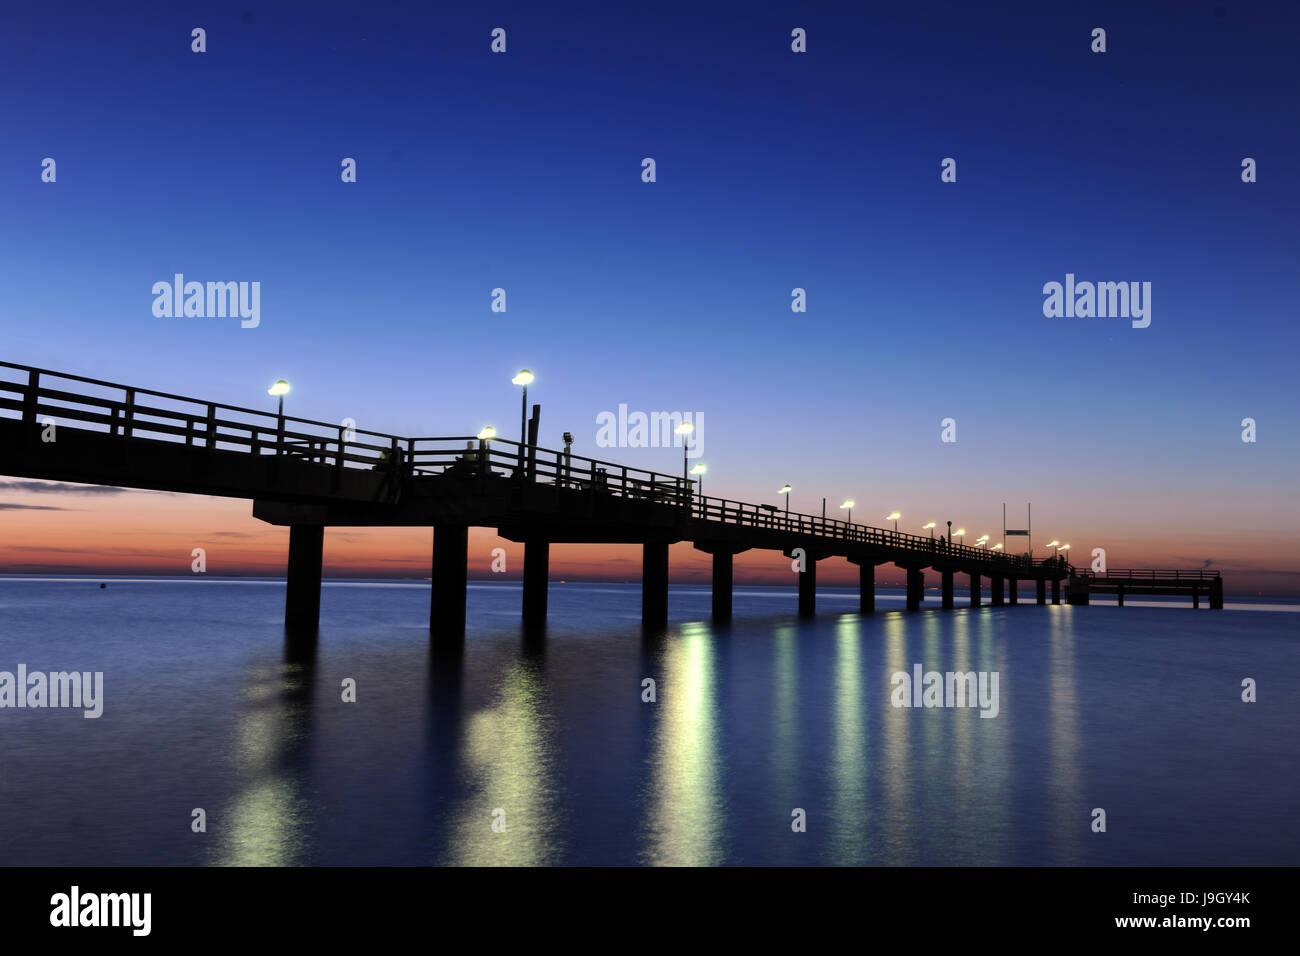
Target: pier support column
[[1013, 597], [974, 590], [1120, 593], [1042, 591], [1079, 593], [866, 588], [915, 588], [537, 575], [808, 588], [450, 555], [723, 574], [947, 590], [654, 584], [1196, 599], [302, 593], [723, 553], [995, 587], [1216, 594], [1056, 590]]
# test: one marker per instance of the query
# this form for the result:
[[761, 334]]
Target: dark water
[[1135, 710]]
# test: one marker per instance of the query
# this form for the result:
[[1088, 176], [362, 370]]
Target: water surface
[[1136, 710]]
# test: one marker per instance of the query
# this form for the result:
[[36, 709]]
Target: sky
[[774, 170]]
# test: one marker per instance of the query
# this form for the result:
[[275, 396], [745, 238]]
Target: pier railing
[[37, 396], [1147, 575]]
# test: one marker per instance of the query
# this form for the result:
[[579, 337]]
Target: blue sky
[[775, 170]]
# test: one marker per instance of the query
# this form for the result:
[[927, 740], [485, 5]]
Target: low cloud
[[59, 488]]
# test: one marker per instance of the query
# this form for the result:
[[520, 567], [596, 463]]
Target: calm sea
[[1135, 710]]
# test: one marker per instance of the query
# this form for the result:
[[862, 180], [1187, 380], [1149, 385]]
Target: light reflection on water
[[1136, 710]]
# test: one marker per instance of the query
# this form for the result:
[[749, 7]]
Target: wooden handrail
[[217, 424]]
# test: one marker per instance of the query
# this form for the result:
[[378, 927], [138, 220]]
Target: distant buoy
[[102, 585]]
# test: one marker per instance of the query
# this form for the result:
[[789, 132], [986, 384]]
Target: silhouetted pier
[[309, 475], [1132, 583]]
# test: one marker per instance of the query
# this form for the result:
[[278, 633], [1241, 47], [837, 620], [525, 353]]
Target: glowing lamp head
[[848, 503], [487, 434], [279, 388], [524, 377], [783, 490], [685, 428], [925, 526], [960, 531], [699, 469], [893, 516]]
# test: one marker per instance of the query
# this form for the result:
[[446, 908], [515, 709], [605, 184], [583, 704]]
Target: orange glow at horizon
[[134, 532]]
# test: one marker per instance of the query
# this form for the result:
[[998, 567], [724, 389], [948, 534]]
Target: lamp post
[[1064, 547], [485, 435], [698, 471], [848, 503], [279, 389], [982, 541], [524, 378], [931, 527], [961, 533], [894, 516], [949, 534], [1053, 544], [785, 490], [684, 429]]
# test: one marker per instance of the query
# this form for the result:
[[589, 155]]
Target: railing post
[[212, 427], [29, 399], [128, 413], [189, 431]]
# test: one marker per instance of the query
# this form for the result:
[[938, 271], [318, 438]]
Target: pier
[[309, 475]]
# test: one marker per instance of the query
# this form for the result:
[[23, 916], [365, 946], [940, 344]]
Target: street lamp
[[983, 541], [684, 429], [524, 378], [698, 470], [279, 389], [485, 435], [785, 490], [848, 503], [1053, 544], [894, 516], [1064, 547], [998, 546], [961, 533], [931, 527]]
